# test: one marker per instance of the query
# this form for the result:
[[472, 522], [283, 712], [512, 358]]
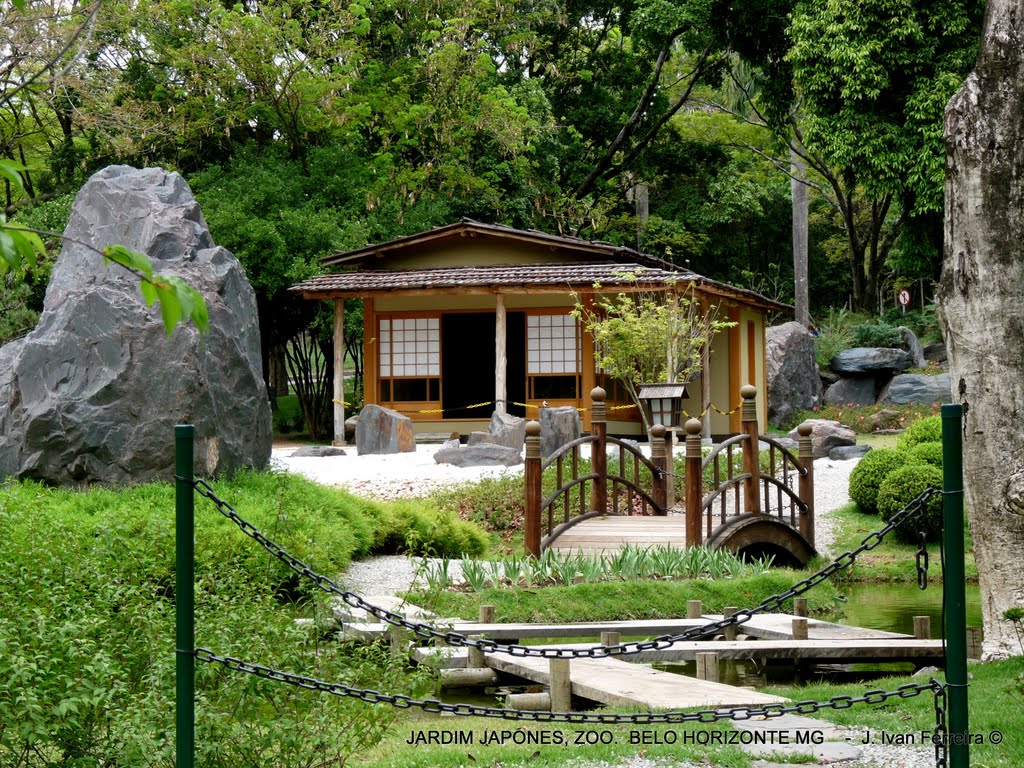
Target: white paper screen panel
[[552, 344], [410, 346]]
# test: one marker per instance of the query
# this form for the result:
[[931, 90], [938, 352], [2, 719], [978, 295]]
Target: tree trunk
[[981, 309], [798, 192]]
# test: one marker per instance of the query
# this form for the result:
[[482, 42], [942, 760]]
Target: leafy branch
[[20, 248]]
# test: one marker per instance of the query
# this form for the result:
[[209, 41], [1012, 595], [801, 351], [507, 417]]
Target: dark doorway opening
[[467, 363]]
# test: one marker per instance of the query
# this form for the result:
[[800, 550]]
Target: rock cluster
[[91, 395], [793, 381]]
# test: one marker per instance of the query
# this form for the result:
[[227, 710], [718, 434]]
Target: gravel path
[[413, 475]]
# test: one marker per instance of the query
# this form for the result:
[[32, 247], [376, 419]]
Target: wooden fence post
[[659, 460], [807, 481], [694, 483], [532, 494], [751, 454], [599, 451]]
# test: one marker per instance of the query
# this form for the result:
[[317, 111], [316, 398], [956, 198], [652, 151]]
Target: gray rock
[[452, 442], [860, 361], [381, 430], [350, 428], [913, 346], [884, 416], [844, 452], [558, 426], [855, 391], [828, 378], [793, 380], [786, 442], [826, 436], [481, 438], [916, 388], [508, 430], [92, 394], [935, 351], [481, 455], [317, 452]]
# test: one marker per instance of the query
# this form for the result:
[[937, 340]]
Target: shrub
[[876, 335], [867, 476], [901, 487], [924, 431], [426, 530], [927, 453]]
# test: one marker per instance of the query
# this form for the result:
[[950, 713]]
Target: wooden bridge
[[752, 502]]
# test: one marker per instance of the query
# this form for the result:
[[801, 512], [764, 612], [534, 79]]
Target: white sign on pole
[[904, 297]]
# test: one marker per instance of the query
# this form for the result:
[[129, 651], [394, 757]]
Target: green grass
[[891, 560], [609, 601]]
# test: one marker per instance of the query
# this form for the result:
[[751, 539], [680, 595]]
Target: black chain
[[922, 560], [940, 737], [402, 701], [427, 631]]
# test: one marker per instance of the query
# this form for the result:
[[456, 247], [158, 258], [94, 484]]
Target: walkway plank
[[620, 683]]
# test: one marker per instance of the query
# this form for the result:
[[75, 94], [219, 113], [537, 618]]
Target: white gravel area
[[411, 475]]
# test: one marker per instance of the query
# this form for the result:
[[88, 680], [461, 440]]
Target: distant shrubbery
[[87, 626]]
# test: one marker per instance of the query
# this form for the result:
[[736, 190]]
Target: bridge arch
[[753, 536]]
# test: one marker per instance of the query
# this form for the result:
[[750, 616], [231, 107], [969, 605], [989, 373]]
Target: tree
[[981, 310], [650, 336]]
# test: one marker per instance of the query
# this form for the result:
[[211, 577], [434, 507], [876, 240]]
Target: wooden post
[[800, 606], [730, 631], [561, 686], [476, 657], [658, 459], [694, 609], [339, 372], [974, 642], [705, 385], [805, 431], [486, 615], [529, 702], [610, 638], [694, 484], [532, 494], [471, 677], [751, 454], [922, 627], [799, 629], [500, 356], [707, 666], [599, 451]]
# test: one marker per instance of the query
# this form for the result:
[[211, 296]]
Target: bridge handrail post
[[599, 450], [751, 454], [659, 460], [694, 483], [806, 456], [532, 490]]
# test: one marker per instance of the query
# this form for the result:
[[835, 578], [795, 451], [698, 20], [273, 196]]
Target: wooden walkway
[[609, 534]]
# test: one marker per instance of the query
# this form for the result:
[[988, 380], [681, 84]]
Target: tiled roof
[[514, 276]]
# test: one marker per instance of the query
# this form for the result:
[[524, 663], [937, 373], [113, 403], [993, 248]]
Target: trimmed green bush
[[876, 335], [428, 531], [869, 473], [904, 485], [927, 453], [924, 431]]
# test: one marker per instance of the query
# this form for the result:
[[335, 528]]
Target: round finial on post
[[804, 430], [693, 426], [748, 392], [533, 429], [598, 395], [658, 431]]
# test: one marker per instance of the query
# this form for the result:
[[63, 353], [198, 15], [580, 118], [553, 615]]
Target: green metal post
[[953, 583], [185, 660]]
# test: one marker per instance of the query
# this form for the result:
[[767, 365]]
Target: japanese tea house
[[469, 318]]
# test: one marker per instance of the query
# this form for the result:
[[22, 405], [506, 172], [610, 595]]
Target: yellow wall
[[720, 394], [755, 376]]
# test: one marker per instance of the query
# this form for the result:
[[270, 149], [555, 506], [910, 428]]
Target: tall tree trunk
[[798, 191], [981, 308]]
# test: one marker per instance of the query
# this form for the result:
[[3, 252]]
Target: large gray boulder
[[480, 455], [558, 426], [382, 430], [913, 346], [860, 391], [793, 381], [91, 395], [508, 430], [916, 388], [826, 436], [864, 361]]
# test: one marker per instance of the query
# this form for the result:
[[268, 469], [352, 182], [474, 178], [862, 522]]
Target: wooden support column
[[588, 374], [694, 484], [500, 355], [599, 452], [339, 371], [751, 454], [806, 457], [371, 353], [705, 388], [560, 686], [532, 492]]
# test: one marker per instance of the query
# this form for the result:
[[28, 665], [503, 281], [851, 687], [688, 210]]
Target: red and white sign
[[903, 297]]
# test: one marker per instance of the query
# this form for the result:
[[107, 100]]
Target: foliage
[[867, 477], [876, 334], [903, 485], [923, 322], [924, 431], [88, 664], [650, 336], [865, 419], [927, 453], [421, 529]]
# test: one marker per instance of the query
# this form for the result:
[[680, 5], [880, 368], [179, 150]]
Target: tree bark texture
[[981, 305], [798, 190]]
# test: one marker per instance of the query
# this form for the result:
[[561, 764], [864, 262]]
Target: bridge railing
[[736, 478]]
